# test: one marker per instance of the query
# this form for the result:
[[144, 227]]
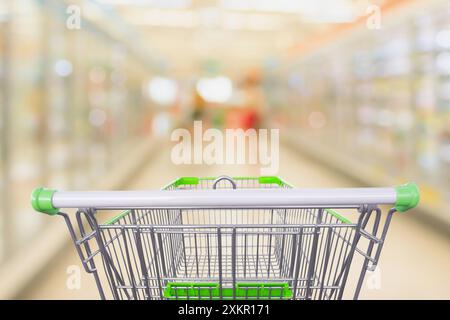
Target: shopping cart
[[228, 238]]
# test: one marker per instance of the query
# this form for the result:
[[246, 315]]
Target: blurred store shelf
[[73, 111], [374, 103], [435, 211], [21, 271]]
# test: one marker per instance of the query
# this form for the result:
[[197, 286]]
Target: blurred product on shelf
[[245, 110], [380, 98], [198, 107], [66, 115]]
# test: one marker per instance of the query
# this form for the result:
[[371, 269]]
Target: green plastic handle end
[[41, 200], [408, 197]]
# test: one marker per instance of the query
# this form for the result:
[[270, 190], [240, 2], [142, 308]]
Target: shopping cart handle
[[407, 197], [41, 200], [403, 198]]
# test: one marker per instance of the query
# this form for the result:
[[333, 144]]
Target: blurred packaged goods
[[71, 104], [379, 97]]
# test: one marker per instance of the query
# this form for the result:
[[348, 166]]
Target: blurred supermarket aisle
[[84, 84], [414, 264]]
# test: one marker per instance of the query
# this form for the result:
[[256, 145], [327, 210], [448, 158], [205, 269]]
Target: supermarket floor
[[414, 264]]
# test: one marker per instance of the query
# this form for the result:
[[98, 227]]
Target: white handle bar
[[404, 197]]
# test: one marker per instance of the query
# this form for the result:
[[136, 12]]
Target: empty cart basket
[[228, 238]]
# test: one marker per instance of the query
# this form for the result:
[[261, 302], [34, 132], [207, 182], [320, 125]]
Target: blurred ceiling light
[[332, 16], [234, 21], [313, 11], [206, 18], [161, 123], [252, 21], [262, 22], [162, 4], [217, 89], [63, 68], [283, 6], [210, 17], [331, 11], [163, 90], [164, 18]]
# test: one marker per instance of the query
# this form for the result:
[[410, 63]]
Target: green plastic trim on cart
[[408, 197], [118, 217], [270, 179], [41, 200], [194, 180], [338, 216], [206, 291], [186, 181]]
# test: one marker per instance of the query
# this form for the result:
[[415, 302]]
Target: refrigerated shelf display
[[392, 96]]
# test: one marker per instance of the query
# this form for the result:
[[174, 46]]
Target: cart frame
[[252, 238]]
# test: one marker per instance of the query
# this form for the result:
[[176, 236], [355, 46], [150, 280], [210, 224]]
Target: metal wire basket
[[228, 238]]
